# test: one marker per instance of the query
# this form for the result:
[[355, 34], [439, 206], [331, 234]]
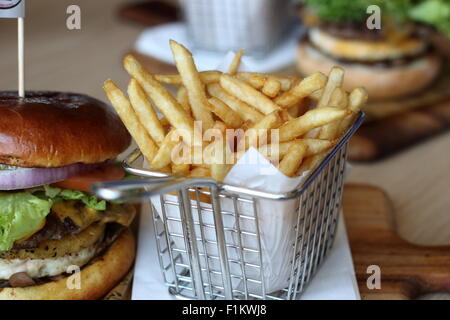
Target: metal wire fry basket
[[209, 250]]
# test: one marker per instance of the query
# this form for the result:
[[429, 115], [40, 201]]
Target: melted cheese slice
[[360, 50]]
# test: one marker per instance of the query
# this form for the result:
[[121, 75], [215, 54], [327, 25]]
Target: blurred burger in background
[[395, 60]]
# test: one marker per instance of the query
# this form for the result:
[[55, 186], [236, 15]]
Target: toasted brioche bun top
[[361, 50], [54, 129]]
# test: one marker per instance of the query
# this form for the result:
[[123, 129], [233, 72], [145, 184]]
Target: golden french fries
[[301, 90], [248, 94], [193, 84], [245, 111], [234, 66], [144, 110], [312, 119], [162, 99], [175, 79], [271, 87], [225, 113], [123, 107], [164, 155], [274, 114], [293, 159]]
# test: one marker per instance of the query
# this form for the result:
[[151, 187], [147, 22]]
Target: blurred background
[[404, 147]]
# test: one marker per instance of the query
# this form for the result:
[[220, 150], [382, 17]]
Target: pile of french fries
[[308, 116]]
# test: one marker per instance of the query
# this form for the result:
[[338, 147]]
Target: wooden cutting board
[[407, 270]]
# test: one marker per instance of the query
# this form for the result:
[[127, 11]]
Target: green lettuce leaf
[[435, 13], [20, 214]]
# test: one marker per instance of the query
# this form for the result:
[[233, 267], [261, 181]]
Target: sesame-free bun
[[96, 279], [54, 129], [380, 82]]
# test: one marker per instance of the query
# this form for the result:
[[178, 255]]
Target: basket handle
[[142, 189]]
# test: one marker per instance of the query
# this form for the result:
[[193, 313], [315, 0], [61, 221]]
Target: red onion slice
[[24, 178]]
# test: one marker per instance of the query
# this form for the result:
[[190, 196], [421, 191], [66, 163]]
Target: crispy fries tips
[[339, 100], [358, 98], [246, 112], [301, 90], [234, 66], [271, 87], [192, 82], [123, 107], [145, 112], [312, 119], [161, 98], [248, 94], [293, 159], [335, 79]]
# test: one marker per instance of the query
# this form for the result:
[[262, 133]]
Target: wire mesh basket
[[224, 25], [212, 247]]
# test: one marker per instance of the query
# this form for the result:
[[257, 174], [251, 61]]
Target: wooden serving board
[[407, 270]]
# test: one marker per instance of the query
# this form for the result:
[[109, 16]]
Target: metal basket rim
[[233, 190]]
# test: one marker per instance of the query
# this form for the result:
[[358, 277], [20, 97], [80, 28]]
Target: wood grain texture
[[407, 270], [381, 138]]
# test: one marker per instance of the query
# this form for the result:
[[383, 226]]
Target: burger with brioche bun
[[53, 146], [393, 61]]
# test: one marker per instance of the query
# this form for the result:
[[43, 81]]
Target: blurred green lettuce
[[435, 13]]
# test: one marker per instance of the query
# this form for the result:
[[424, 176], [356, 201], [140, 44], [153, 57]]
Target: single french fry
[[234, 66], [164, 156], [257, 82], [248, 94], [181, 169], [261, 129], [271, 87], [313, 147], [339, 100], [175, 79], [293, 159], [162, 99], [225, 113], [258, 79], [358, 98], [192, 82], [200, 172], [123, 107], [183, 99], [335, 79], [312, 162], [304, 88], [245, 111], [312, 119], [145, 112]]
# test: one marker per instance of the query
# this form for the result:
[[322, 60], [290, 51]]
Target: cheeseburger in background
[[391, 62]]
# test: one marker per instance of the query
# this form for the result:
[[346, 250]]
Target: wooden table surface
[[417, 180]]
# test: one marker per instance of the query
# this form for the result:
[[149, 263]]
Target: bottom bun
[[96, 279], [380, 83]]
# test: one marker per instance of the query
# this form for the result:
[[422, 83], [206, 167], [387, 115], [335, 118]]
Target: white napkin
[[335, 279], [154, 42]]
